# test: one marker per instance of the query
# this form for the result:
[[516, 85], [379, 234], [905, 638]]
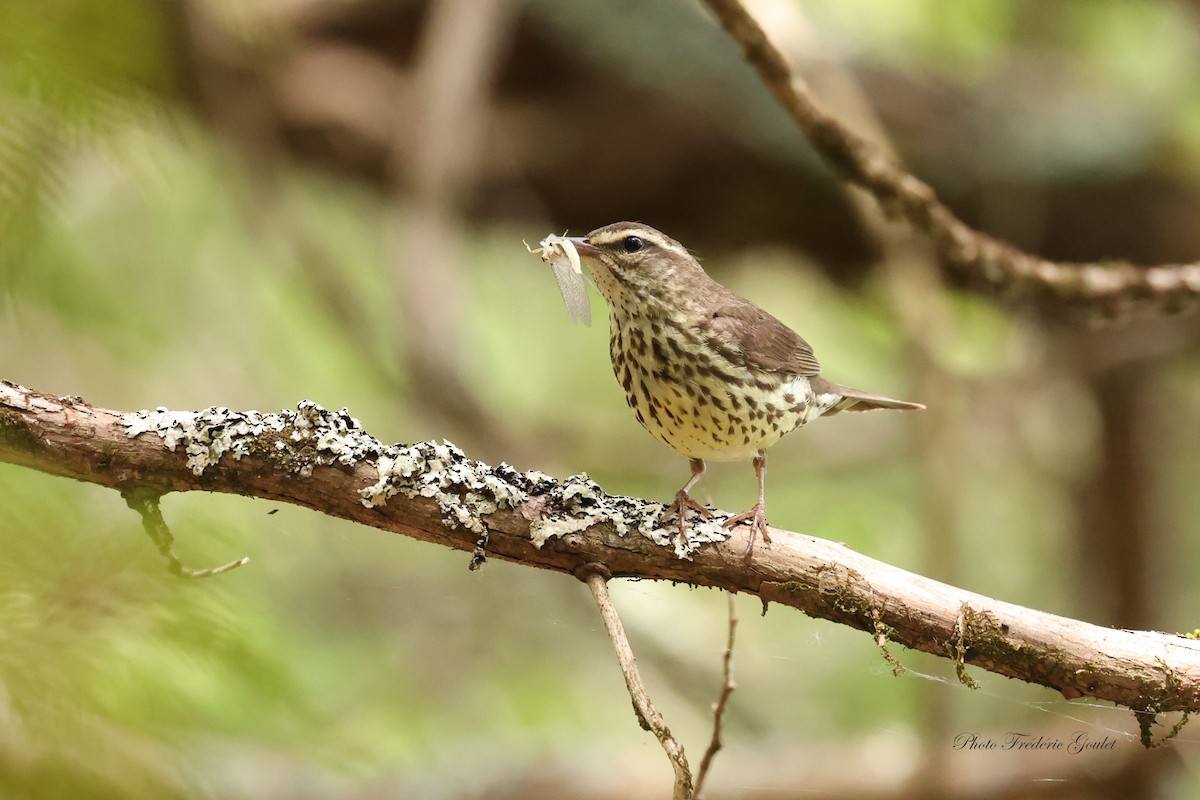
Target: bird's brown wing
[[761, 340]]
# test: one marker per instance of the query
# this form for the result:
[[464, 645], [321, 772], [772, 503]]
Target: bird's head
[[634, 264]]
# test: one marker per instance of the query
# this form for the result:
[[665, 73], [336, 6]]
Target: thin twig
[[596, 577], [146, 503], [1109, 288], [727, 687]]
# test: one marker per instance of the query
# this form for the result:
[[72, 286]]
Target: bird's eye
[[632, 244]]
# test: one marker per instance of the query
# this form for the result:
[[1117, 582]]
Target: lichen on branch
[[465, 490]]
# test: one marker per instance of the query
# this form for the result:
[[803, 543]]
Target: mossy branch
[[1110, 289], [430, 491]]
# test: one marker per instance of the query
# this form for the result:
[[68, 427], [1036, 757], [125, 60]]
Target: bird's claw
[[679, 508], [757, 518]]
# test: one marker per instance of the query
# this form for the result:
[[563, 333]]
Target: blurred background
[[253, 202]]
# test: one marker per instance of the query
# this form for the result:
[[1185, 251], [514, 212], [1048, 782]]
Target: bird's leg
[[757, 515], [683, 502]]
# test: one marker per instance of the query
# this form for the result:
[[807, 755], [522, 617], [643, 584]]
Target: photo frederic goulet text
[[1079, 742]]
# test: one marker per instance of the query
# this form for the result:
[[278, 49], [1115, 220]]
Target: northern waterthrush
[[708, 373]]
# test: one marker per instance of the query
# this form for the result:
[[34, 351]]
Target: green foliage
[[108, 664], [142, 262], [71, 72]]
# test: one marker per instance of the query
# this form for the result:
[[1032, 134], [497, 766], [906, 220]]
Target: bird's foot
[[679, 508], [757, 518]]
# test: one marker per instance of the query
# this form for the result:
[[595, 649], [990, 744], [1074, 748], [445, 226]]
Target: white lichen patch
[[208, 435], [582, 503], [465, 490]]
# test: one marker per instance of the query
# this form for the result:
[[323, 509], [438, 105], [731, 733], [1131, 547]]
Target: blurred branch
[[1110, 287], [436, 154], [432, 492]]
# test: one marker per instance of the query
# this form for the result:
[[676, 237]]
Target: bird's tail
[[854, 400]]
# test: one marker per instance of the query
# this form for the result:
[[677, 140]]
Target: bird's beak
[[583, 247]]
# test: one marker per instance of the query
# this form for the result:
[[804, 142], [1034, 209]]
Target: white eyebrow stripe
[[649, 234], [674, 247]]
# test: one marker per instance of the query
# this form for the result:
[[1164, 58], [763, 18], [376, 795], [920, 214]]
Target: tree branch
[[1110, 288], [596, 576], [727, 686], [430, 491]]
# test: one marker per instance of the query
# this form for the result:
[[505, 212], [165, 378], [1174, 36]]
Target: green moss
[[15, 433]]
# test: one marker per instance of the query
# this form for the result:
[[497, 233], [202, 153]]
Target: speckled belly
[[696, 402]]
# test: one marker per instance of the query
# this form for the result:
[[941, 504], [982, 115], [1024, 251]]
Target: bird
[[707, 372]]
